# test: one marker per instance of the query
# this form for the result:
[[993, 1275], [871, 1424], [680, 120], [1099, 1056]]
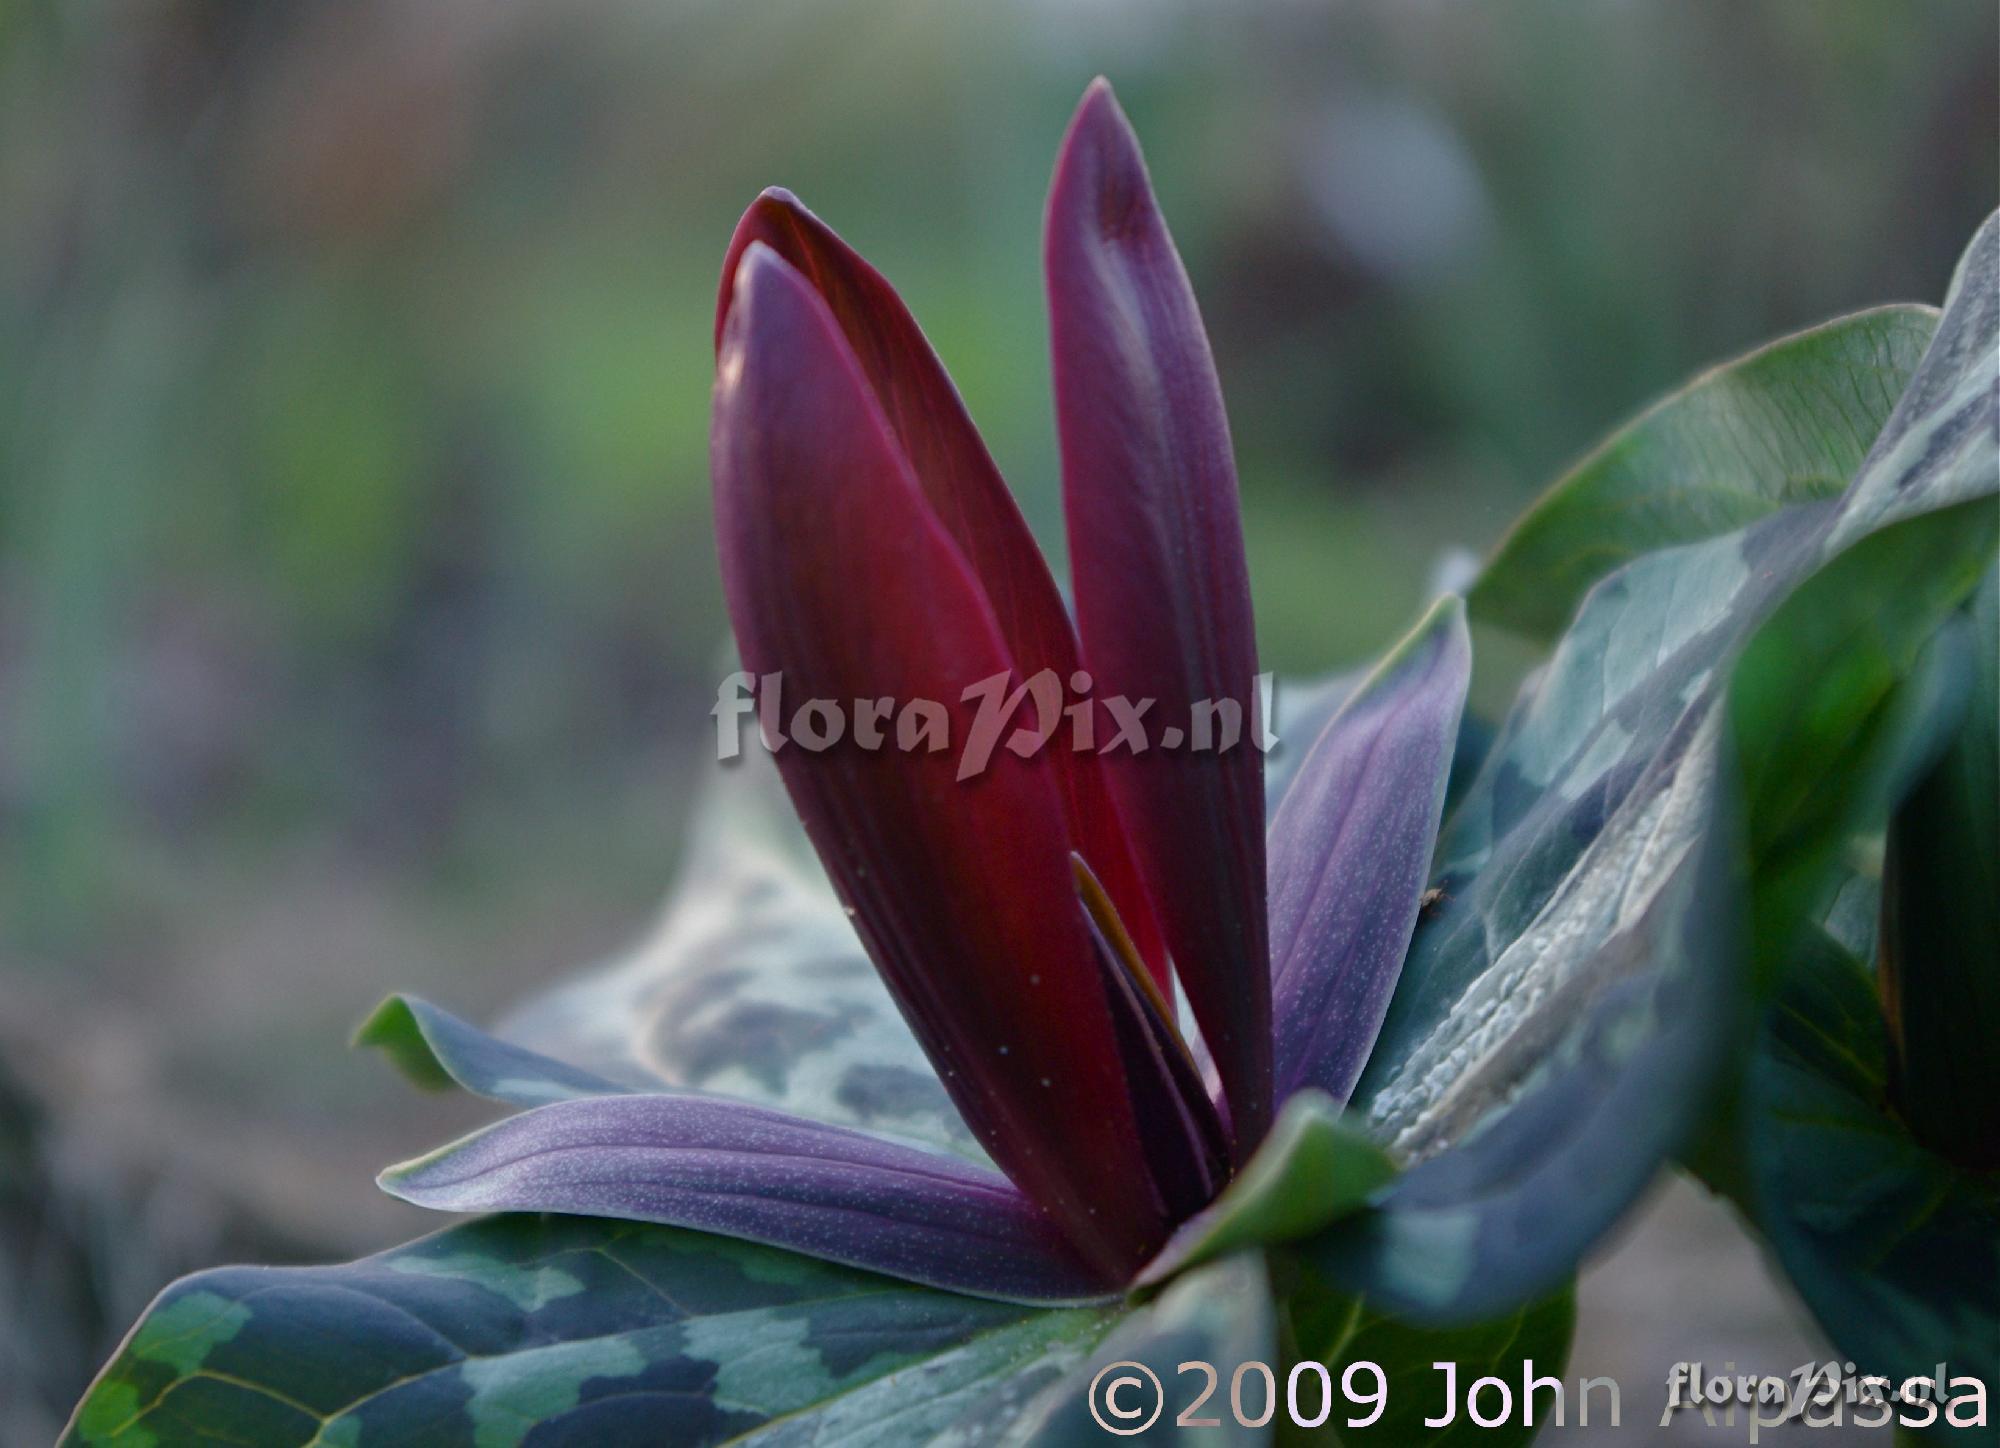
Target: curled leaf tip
[[394, 1029]]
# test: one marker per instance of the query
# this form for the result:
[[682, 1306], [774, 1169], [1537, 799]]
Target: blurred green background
[[358, 611]]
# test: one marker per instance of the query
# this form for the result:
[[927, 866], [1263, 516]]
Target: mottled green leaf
[[1938, 446], [1541, 1135], [1564, 1007], [1220, 1314], [567, 1329], [1895, 1249], [971, 1394], [1312, 1168], [1421, 1405], [1788, 423]]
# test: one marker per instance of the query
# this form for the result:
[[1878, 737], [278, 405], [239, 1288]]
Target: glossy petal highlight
[[1162, 592]]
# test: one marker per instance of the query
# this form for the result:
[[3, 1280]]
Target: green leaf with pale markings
[[517, 1330], [1788, 423], [1219, 1314], [1566, 1006]]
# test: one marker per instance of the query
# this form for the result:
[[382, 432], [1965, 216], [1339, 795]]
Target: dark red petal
[[959, 477], [839, 576], [1162, 593]]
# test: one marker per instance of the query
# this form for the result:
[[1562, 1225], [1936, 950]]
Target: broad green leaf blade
[[1221, 1314], [1880, 1213], [514, 1329], [1894, 1249], [968, 1394], [1834, 718], [1788, 423], [1563, 968], [1313, 1168], [1422, 1406], [1940, 953]]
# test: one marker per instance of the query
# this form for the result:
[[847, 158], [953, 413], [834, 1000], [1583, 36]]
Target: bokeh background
[[358, 611]]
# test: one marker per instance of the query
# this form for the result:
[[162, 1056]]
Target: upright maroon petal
[[1162, 593], [839, 577], [959, 477]]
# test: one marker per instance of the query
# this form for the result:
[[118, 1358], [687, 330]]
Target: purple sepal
[[1350, 850], [746, 1171]]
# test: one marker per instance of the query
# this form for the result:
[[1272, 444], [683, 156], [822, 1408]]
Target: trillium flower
[[1034, 923]]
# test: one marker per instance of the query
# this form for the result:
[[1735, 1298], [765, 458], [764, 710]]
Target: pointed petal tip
[[758, 257], [1444, 630], [774, 207], [762, 284], [733, 266], [1446, 622], [412, 1179], [1100, 131], [394, 1180], [1447, 614]]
